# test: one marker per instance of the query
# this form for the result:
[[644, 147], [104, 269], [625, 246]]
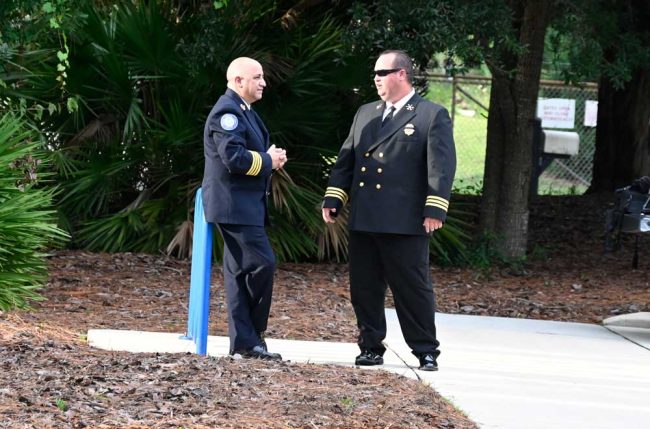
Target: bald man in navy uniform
[[238, 167], [396, 168]]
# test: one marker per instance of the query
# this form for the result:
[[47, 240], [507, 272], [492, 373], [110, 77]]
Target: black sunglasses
[[385, 72]]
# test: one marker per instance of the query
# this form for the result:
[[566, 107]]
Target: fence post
[[538, 144], [199, 307]]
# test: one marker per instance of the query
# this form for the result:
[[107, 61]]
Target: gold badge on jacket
[[409, 129]]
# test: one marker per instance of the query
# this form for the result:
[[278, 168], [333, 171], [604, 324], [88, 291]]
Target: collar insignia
[[379, 106], [243, 106], [410, 107]]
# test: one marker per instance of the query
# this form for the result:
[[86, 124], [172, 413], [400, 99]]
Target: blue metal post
[[199, 308]]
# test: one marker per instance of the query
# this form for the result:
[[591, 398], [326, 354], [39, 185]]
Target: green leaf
[[39, 112], [27, 223], [47, 7], [72, 104], [62, 56]]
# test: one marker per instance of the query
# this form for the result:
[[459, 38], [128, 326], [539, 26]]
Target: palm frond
[[181, 243], [333, 239], [27, 222]]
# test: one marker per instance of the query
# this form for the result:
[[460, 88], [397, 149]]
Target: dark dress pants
[[400, 262], [248, 268]]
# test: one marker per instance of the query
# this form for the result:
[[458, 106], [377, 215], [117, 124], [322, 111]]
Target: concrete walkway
[[504, 373]]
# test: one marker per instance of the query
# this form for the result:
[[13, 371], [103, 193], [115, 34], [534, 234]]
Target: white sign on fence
[[556, 112], [591, 113]]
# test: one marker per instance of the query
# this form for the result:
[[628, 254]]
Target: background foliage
[[121, 89], [27, 221]]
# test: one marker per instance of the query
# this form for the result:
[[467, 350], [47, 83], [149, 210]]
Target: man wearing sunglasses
[[396, 168]]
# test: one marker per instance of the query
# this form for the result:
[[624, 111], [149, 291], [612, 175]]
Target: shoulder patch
[[229, 122]]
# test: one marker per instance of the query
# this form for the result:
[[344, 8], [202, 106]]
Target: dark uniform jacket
[[398, 174], [237, 167]]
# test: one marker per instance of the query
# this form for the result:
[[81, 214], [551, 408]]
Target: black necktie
[[389, 116]]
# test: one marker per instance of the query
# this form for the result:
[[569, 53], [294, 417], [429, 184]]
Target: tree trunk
[[513, 101], [501, 124], [622, 135]]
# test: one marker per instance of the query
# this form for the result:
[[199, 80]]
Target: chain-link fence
[[467, 99], [573, 174]]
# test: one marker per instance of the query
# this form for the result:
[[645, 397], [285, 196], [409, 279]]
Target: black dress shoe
[[428, 362], [369, 358], [257, 352]]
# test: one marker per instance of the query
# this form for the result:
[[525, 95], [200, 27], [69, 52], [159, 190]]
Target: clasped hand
[[278, 156]]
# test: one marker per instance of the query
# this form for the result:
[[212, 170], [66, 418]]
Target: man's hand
[[278, 156], [431, 224], [327, 215]]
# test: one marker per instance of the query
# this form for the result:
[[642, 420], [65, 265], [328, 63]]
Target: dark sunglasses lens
[[385, 72]]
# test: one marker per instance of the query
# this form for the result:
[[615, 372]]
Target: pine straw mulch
[[44, 357], [51, 379]]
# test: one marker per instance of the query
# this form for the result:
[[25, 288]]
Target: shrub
[[27, 224]]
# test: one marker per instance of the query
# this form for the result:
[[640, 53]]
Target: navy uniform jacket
[[237, 168], [397, 175]]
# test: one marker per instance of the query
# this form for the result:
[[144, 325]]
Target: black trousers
[[248, 269], [401, 262]]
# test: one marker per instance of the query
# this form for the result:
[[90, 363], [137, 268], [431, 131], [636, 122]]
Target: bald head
[[246, 77]]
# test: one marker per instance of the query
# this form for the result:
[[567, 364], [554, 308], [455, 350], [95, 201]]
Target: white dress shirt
[[398, 105]]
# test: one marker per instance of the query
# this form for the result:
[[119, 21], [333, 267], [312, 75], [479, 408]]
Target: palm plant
[[134, 145], [144, 76], [129, 160], [27, 222]]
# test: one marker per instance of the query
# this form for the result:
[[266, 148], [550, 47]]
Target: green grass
[[550, 186], [470, 137], [61, 404], [470, 130]]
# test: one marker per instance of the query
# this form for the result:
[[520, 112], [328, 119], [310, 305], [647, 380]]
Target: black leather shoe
[[369, 358], [428, 362], [257, 352]]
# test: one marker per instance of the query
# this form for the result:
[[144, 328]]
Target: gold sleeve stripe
[[437, 205], [336, 193], [437, 202], [256, 165]]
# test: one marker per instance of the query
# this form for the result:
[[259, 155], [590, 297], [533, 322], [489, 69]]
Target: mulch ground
[[51, 378]]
